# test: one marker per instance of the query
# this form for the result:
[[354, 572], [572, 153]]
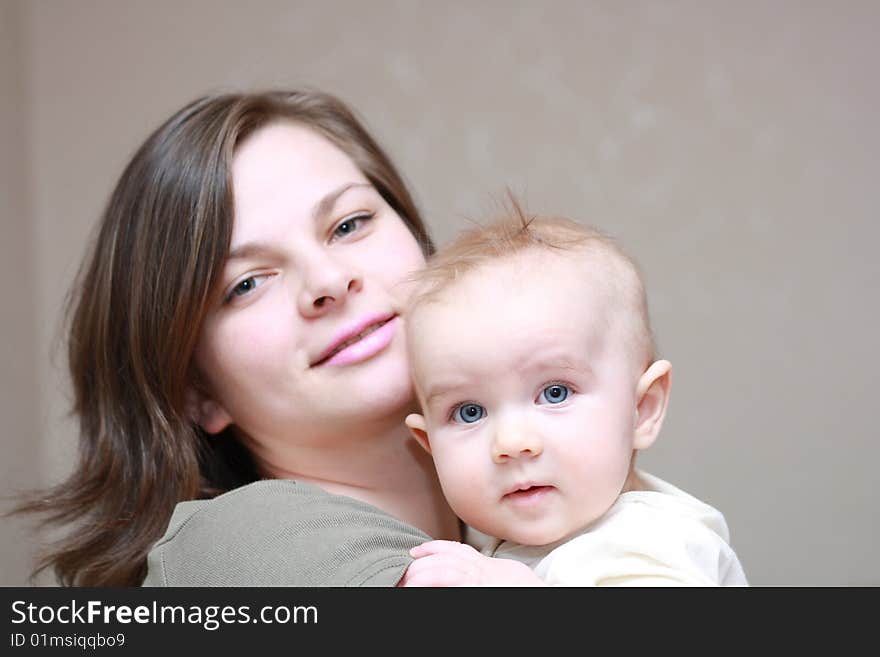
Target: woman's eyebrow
[[322, 208], [248, 250], [325, 205]]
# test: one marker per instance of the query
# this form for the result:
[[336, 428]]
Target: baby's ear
[[419, 430], [206, 412], [652, 397]]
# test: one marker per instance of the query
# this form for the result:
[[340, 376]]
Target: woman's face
[[307, 343]]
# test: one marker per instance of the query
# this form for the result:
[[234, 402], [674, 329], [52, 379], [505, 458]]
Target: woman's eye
[[350, 225], [245, 286], [468, 413], [554, 394]]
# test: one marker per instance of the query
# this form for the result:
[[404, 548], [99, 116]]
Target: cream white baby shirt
[[656, 537]]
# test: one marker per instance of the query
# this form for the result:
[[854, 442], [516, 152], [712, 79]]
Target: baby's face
[[529, 400]]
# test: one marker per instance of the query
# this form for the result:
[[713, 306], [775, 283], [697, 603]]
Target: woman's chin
[[379, 386]]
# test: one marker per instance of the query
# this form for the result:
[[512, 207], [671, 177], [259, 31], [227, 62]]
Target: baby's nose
[[514, 443]]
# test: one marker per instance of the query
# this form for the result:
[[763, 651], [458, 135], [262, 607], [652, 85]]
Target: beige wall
[[19, 399], [732, 147]]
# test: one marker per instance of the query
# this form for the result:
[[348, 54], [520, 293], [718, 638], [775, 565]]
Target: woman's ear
[[206, 412], [419, 430], [652, 397]]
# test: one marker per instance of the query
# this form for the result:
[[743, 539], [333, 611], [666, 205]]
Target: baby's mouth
[[527, 492]]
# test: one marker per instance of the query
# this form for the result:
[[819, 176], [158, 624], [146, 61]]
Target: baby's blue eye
[[468, 413], [554, 394]]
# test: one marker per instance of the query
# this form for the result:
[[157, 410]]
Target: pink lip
[[362, 349], [527, 494]]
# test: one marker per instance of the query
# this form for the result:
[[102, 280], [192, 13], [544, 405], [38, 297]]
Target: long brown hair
[[134, 316]]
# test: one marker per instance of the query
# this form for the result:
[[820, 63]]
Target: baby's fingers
[[436, 570], [438, 547]]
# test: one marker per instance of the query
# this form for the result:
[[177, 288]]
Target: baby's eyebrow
[[562, 364], [537, 361], [442, 390]]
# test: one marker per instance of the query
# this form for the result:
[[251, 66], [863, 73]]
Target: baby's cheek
[[602, 481], [460, 483], [449, 474]]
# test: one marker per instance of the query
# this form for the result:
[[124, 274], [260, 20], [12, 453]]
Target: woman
[[238, 319]]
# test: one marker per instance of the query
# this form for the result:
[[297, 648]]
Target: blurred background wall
[[731, 147]]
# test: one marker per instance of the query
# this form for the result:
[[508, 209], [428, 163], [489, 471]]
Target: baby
[[533, 361]]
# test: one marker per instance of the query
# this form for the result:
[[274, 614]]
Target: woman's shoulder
[[281, 533], [255, 498]]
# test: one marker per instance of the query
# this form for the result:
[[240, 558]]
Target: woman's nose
[[513, 442], [327, 282]]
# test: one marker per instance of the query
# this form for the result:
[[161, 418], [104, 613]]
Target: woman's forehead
[[290, 153], [288, 172]]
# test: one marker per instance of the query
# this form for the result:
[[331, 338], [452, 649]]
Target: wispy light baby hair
[[515, 232]]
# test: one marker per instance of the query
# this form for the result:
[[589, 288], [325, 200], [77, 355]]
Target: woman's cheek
[[261, 333], [400, 248]]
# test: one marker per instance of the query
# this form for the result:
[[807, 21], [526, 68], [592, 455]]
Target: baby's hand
[[448, 563]]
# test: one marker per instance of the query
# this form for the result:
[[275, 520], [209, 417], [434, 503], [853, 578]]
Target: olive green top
[[280, 532]]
